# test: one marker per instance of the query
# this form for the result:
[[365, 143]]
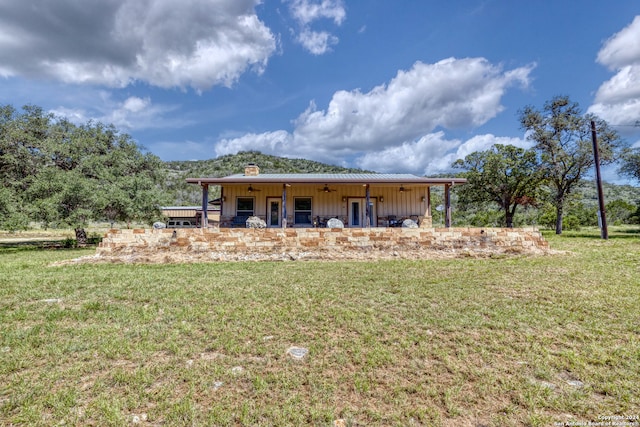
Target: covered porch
[[310, 200]]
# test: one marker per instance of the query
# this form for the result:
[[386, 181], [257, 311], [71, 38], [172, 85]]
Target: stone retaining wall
[[345, 241]]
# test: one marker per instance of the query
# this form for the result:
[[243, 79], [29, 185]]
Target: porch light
[[344, 199], [381, 199], [423, 199]]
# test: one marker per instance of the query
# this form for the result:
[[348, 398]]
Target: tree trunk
[[81, 237], [508, 218], [559, 219]]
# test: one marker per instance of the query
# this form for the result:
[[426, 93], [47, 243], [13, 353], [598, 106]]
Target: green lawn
[[470, 342]]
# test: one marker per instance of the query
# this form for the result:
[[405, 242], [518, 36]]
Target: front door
[[358, 213], [274, 212]]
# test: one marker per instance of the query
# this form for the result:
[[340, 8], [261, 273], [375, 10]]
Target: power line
[[635, 125]]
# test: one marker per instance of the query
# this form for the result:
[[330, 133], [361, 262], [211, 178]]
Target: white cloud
[[390, 128], [137, 113], [622, 48], [484, 142], [431, 154], [269, 142], [133, 113], [315, 42], [427, 155], [618, 99], [135, 104], [197, 43], [623, 86], [307, 12], [453, 93], [623, 115], [74, 115]]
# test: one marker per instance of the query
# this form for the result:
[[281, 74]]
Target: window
[[244, 206], [302, 210]]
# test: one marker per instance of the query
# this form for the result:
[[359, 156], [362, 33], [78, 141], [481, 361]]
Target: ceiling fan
[[402, 189], [326, 189], [251, 189]]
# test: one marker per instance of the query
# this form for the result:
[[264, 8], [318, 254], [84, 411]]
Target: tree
[[100, 174], [22, 140], [63, 174], [562, 137], [64, 198], [620, 211], [506, 175], [631, 163], [12, 216]]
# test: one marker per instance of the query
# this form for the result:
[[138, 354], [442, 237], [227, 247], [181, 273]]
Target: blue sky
[[392, 86]]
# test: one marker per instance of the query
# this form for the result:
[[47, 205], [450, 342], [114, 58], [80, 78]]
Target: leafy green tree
[[22, 141], [582, 214], [62, 174], [478, 214], [63, 199], [562, 136], [129, 179], [22, 155], [12, 216], [101, 173], [635, 216], [620, 211], [630, 166], [505, 175]]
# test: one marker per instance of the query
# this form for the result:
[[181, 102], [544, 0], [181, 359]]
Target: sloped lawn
[[471, 342]]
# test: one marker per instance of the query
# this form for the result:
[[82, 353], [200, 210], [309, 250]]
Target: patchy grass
[[491, 342], [36, 239]]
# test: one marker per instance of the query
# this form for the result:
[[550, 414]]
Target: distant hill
[[188, 194], [589, 194]]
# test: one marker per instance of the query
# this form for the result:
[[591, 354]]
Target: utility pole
[[596, 156]]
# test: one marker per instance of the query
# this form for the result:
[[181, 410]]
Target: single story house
[[310, 200]]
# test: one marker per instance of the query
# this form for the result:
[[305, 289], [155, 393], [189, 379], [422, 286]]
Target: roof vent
[[251, 170]]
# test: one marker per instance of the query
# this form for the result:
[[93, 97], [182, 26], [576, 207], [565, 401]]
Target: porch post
[[447, 205], [367, 208], [205, 202], [284, 206], [222, 200], [427, 221]]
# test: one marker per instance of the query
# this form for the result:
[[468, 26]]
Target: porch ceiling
[[334, 179]]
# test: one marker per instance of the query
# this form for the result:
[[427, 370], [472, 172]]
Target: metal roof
[[325, 178], [190, 208]]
